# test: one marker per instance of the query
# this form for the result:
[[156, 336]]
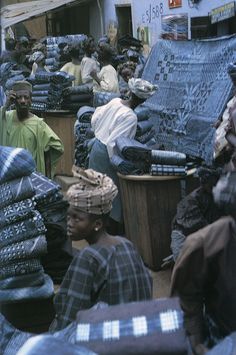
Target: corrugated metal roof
[[19, 12]]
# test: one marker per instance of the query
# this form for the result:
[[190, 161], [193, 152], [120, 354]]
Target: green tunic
[[32, 134]]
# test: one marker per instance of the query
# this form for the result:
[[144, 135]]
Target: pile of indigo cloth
[[10, 73], [75, 97], [135, 158], [55, 49], [84, 136], [22, 231], [101, 98], [48, 88], [145, 130], [53, 209]]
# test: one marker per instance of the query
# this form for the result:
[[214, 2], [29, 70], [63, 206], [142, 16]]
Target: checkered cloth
[[15, 191], [168, 158], [14, 163], [166, 170], [151, 327], [112, 274]]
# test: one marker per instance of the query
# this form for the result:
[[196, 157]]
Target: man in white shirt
[[88, 63], [111, 121], [106, 79]]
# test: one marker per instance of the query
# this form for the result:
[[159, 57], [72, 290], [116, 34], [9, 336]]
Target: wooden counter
[[62, 123], [149, 205]]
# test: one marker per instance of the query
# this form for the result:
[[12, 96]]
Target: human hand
[[93, 73], [11, 98]]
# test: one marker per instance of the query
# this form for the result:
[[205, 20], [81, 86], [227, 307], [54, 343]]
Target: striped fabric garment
[[167, 170]]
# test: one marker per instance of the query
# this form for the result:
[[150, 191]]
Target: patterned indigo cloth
[[143, 127], [133, 150], [16, 190], [151, 327], [45, 189], [22, 230], [21, 281], [23, 267], [142, 113], [16, 212], [194, 88], [165, 170], [227, 346], [126, 167], [23, 250], [167, 158], [45, 290], [147, 138], [81, 89], [14, 163], [103, 97]]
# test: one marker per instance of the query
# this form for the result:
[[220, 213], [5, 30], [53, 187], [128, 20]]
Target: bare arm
[[48, 167]]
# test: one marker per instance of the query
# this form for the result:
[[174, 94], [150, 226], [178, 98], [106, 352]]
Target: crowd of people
[[110, 270]]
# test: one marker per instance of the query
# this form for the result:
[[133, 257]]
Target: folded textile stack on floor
[[53, 208], [137, 159], [22, 231], [55, 45], [103, 97], [77, 96], [145, 130], [9, 75], [48, 88], [83, 136]]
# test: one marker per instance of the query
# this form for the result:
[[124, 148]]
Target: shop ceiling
[[12, 14]]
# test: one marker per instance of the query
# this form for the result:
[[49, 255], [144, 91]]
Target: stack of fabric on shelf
[[22, 231], [103, 97], [135, 158], [53, 208], [47, 90], [77, 96], [145, 130], [55, 45], [84, 136], [9, 74]]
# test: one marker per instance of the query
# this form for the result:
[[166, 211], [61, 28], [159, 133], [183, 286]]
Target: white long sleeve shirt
[[109, 80], [113, 120]]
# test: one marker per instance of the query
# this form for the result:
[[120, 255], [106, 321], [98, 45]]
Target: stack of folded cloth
[[145, 130], [84, 136], [48, 88], [9, 74], [22, 231], [53, 208], [103, 97], [77, 96], [137, 159], [54, 56]]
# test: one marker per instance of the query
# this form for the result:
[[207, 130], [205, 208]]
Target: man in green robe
[[20, 128]]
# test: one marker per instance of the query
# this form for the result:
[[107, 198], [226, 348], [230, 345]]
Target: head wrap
[[23, 39], [141, 88], [37, 57], [224, 192], [93, 193], [22, 85], [232, 72]]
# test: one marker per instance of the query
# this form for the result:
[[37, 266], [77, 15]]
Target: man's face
[[23, 101], [79, 225]]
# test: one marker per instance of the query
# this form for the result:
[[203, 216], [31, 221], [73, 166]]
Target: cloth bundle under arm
[[133, 150]]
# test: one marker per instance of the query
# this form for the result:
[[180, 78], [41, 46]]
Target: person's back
[[73, 67]]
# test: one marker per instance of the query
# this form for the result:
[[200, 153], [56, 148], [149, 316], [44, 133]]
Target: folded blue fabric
[[14, 163], [26, 229], [166, 170], [142, 113], [146, 137], [21, 267], [16, 212], [26, 249], [133, 150], [21, 281], [167, 157], [80, 89], [44, 290], [44, 187], [126, 167], [16, 190], [103, 97], [143, 127]]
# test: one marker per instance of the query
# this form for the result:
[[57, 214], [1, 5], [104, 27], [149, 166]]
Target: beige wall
[[36, 27]]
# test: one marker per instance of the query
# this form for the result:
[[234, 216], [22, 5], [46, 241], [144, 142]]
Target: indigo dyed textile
[[103, 97], [143, 127], [26, 249], [81, 89], [21, 281], [44, 188], [167, 158], [26, 229], [126, 167], [133, 150], [194, 88], [165, 170], [16, 212], [21, 267], [147, 138], [44, 290], [142, 113], [15, 191], [14, 163]]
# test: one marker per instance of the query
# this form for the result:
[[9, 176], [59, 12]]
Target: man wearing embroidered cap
[[108, 270], [111, 121], [20, 128]]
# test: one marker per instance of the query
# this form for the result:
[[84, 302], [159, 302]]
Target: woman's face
[[127, 74], [79, 224]]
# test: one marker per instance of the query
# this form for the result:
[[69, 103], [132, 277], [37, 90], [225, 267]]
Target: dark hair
[[103, 217], [10, 44], [74, 49]]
